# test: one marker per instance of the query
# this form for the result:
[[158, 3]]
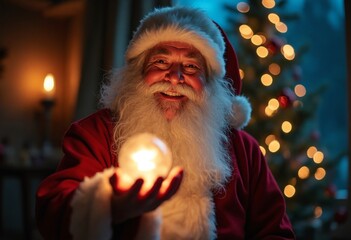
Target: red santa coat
[[252, 207]]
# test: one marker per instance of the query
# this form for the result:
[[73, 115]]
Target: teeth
[[173, 94]]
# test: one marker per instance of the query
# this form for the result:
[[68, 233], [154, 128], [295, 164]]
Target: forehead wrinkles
[[191, 53]]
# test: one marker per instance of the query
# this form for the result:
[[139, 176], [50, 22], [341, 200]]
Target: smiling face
[[179, 65]]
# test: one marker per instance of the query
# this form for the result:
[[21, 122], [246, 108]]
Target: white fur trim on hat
[[241, 112], [179, 24]]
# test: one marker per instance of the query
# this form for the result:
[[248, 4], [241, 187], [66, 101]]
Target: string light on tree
[[262, 52], [268, 3], [269, 112], [281, 27], [243, 7], [288, 51], [273, 80], [318, 157], [304, 172], [318, 211], [263, 150], [266, 79], [300, 90], [273, 104], [286, 126], [274, 146], [311, 151], [289, 191], [257, 40], [274, 69], [245, 31], [269, 139], [273, 18], [241, 73], [320, 173]]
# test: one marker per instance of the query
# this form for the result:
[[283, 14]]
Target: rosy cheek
[[150, 77], [197, 84]]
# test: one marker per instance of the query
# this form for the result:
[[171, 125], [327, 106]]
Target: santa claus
[[181, 83]]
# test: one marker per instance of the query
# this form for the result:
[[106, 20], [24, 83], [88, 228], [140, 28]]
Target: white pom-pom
[[241, 112]]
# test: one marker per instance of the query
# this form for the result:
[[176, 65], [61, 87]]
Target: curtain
[[109, 26]]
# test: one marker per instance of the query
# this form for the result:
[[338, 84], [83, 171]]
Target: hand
[[132, 202]]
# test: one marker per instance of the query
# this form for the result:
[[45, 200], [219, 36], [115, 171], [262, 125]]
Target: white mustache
[[182, 89]]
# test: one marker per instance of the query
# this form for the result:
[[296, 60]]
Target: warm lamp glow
[[144, 156]]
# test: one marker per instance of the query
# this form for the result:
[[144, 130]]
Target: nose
[[175, 74]]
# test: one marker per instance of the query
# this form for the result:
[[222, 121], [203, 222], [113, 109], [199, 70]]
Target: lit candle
[[143, 156], [49, 86]]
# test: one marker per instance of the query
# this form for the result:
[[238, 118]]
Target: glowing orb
[[144, 156]]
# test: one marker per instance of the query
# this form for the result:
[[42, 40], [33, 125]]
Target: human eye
[[191, 68], [160, 63]]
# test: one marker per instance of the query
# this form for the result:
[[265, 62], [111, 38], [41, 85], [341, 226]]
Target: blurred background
[[54, 55]]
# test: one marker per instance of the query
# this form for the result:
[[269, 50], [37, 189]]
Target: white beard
[[196, 137]]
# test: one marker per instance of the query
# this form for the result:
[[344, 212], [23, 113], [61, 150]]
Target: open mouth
[[172, 95]]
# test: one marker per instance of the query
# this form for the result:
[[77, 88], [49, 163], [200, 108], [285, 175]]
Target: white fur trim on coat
[[91, 212], [91, 208]]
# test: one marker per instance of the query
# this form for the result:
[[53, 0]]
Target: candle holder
[[47, 148]]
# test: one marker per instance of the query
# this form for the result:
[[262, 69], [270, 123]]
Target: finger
[[152, 200], [113, 182], [173, 187], [154, 191], [176, 171], [134, 190]]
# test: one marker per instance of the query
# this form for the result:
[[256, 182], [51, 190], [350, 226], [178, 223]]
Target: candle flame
[[49, 83]]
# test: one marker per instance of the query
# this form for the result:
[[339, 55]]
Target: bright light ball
[[144, 156]]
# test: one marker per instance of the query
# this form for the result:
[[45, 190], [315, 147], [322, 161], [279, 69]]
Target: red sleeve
[[266, 212], [87, 150]]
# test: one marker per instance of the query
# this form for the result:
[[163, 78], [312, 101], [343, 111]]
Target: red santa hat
[[194, 27]]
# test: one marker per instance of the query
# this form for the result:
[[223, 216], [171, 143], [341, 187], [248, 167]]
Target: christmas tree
[[283, 111]]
